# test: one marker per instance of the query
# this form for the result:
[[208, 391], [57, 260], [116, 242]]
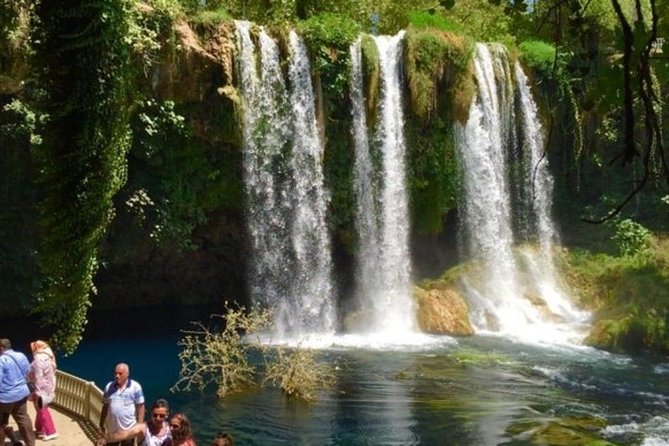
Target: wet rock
[[442, 311]]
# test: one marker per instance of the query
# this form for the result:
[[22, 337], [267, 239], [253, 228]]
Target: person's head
[[160, 410], [38, 345], [5, 344], [223, 439], [180, 427], [121, 373]]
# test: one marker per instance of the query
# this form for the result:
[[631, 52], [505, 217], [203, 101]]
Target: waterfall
[[512, 296], [383, 269], [539, 184], [312, 280], [289, 265]]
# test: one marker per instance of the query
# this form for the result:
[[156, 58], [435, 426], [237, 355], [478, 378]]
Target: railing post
[[89, 386]]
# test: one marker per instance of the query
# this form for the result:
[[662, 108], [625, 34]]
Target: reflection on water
[[476, 391], [373, 400]]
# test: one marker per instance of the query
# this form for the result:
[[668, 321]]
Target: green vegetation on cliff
[[627, 290], [90, 87], [83, 66]]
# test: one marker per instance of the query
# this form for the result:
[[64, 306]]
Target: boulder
[[442, 311]]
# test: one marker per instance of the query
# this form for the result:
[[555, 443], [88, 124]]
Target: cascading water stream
[[524, 302], [383, 269], [486, 209], [539, 184], [312, 280], [289, 263]]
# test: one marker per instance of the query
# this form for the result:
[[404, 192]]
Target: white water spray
[[527, 302], [289, 265], [383, 267], [539, 184]]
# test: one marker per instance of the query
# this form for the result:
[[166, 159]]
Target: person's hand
[[101, 440]]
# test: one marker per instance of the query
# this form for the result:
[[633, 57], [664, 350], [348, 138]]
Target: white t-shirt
[[158, 440], [122, 414]]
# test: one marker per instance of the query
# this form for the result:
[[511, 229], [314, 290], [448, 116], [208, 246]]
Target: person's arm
[[103, 417], [138, 430], [2, 366], [32, 374], [140, 412]]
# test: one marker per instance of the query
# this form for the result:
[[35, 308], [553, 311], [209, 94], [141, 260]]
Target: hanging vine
[[82, 60]]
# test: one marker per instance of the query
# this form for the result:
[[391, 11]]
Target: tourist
[[182, 434], [14, 392], [223, 439], [154, 433], [123, 406], [43, 376], [9, 431]]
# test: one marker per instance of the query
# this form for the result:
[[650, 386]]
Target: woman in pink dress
[[182, 434], [43, 375]]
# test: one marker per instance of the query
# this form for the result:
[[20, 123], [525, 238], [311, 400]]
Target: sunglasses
[[159, 415]]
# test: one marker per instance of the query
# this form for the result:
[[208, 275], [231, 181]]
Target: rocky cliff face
[[196, 74]]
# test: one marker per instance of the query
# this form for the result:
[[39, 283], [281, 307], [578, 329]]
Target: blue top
[[14, 367]]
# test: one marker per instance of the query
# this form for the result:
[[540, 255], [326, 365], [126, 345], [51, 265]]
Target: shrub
[[222, 358], [631, 238], [538, 55], [329, 37], [209, 356], [298, 373]]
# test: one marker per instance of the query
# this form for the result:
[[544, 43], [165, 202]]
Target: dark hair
[[223, 439], [160, 402]]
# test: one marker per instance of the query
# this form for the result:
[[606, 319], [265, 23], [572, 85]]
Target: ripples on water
[[435, 391]]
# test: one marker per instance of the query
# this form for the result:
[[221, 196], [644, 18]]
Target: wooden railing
[[79, 397]]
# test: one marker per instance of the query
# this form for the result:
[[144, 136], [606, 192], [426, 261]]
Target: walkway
[[72, 431]]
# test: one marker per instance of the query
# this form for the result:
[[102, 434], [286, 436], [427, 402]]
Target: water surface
[[477, 391]]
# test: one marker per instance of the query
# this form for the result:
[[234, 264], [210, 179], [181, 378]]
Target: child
[[223, 439]]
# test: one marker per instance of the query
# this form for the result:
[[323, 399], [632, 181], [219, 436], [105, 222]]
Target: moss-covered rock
[[627, 294], [564, 431]]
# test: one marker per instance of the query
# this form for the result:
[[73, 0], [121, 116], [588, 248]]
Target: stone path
[[72, 432]]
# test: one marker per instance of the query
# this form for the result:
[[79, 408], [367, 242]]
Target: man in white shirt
[[123, 404]]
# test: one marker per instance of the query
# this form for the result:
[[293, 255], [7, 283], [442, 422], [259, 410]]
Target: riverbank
[[72, 431]]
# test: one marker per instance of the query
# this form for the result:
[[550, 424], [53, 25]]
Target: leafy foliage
[[329, 37], [83, 67], [483, 21], [174, 179], [212, 17], [432, 174], [538, 55], [631, 238], [15, 19], [423, 19], [19, 272], [627, 295], [149, 25]]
